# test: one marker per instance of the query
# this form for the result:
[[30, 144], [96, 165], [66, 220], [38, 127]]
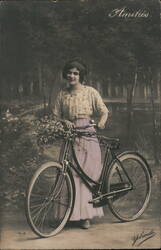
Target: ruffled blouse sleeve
[[98, 105], [57, 110]]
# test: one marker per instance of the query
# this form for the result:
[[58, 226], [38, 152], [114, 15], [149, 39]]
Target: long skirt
[[88, 153]]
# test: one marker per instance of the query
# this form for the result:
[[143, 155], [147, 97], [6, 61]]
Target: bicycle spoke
[[61, 203], [35, 208], [37, 205], [46, 209], [38, 210]]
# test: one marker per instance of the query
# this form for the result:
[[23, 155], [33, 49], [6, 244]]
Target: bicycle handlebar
[[76, 132], [88, 133]]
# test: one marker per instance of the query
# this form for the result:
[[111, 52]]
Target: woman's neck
[[76, 87]]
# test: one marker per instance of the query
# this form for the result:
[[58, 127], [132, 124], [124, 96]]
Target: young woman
[[76, 104]]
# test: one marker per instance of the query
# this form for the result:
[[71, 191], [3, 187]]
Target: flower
[[48, 130]]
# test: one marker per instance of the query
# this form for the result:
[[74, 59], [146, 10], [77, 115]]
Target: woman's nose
[[71, 75]]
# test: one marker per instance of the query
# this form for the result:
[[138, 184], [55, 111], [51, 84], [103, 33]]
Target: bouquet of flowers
[[48, 130]]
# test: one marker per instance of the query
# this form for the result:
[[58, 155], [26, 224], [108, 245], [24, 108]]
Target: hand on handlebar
[[68, 124], [101, 125]]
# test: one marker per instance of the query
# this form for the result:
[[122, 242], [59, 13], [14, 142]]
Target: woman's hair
[[79, 66]]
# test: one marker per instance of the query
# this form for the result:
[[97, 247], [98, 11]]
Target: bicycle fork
[[57, 188]]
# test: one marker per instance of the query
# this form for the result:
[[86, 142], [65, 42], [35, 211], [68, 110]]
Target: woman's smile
[[73, 76]]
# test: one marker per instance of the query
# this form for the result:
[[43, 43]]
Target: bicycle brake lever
[[93, 124]]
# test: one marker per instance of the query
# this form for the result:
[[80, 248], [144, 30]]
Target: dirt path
[[104, 233]]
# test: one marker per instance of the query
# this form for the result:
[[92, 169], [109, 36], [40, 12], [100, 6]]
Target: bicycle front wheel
[[50, 200], [130, 171]]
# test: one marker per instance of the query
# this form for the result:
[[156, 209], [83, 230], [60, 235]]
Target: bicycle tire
[[129, 205], [49, 200]]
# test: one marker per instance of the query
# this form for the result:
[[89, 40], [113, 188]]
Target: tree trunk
[[154, 120], [159, 82], [40, 80], [130, 96], [5, 89], [54, 88]]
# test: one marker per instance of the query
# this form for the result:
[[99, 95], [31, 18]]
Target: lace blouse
[[81, 103]]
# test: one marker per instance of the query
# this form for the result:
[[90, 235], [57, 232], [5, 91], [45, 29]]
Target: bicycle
[[124, 185]]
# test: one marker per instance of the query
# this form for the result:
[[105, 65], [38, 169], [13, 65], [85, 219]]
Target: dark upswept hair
[[78, 65]]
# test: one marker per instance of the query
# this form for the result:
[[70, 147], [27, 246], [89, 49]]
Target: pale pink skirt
[[89, 157]]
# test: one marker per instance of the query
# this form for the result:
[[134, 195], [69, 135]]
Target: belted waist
[[80, 118]]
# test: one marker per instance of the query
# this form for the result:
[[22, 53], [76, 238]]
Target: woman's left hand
[[68, 124], [101, 125]]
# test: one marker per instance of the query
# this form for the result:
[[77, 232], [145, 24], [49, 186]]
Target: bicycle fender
[[138, 154], [58, 164], [49, 163]]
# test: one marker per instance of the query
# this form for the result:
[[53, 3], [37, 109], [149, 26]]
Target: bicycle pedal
[[101, 203], [93, 201]]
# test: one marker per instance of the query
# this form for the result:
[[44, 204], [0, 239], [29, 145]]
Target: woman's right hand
[[101, 125], [68, 124]]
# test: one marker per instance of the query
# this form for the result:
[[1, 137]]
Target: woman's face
[[73, 76]]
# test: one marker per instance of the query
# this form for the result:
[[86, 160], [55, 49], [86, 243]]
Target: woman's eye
[[74, 73]]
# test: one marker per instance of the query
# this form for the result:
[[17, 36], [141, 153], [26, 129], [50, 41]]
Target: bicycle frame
[[96, 187], [67, 164]]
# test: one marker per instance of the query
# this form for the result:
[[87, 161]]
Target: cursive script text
[[142, 237], [125, 13]]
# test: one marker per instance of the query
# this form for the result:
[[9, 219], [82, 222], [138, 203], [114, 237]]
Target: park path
[[104, 233]]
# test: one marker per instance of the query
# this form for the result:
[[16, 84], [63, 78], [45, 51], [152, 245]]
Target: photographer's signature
[[139, 239]]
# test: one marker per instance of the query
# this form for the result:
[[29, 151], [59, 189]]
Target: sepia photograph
[[80, 124]]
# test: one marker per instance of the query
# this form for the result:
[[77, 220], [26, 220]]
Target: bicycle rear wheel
[[128, 205], [50, 199]]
